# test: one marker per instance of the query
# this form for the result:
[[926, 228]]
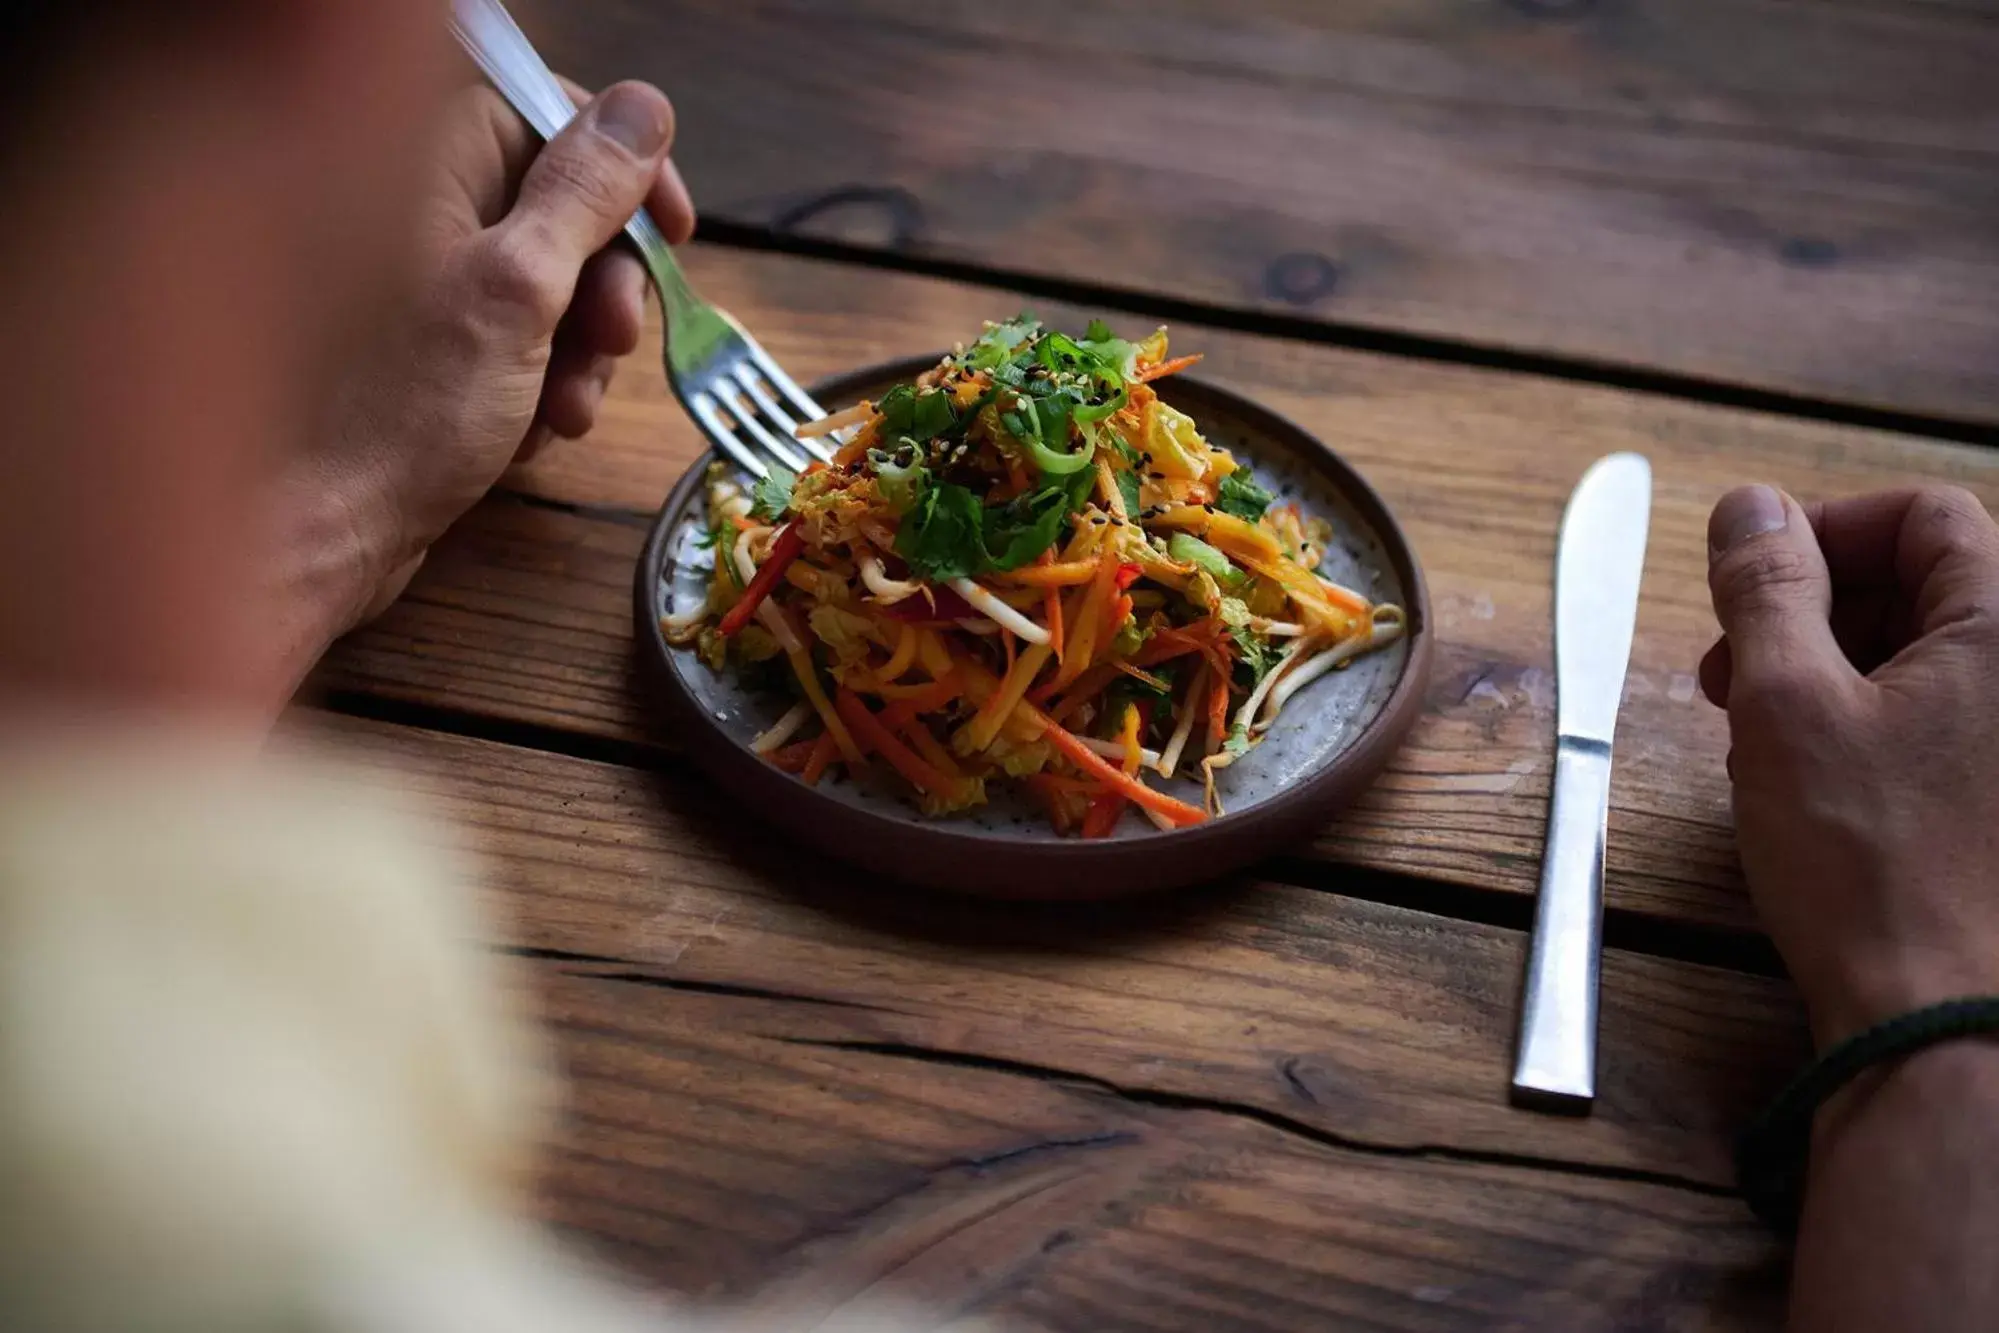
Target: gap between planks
[[1626, 376], [1624, 929], [596, 967]]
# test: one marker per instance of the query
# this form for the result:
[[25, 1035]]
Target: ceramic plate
[[1332, 739]]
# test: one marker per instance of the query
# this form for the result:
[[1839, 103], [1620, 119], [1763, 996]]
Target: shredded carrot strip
[[792, 758], [1092, 763], [1128, 734], [936, 658], [902, 658], [925, 698], [1164, 368], [1165, 645], [1082, 757], [1055, 574], [1218, 704], [884, 742], [1307, 588], [1086, 687], [823, 751], [1102, 816], [999, 704], [1006, 641], [1051, 604], [1056, 797], [854, 450], [1144, 678], [1088, 618], [1115, 614], [808, 680], [903, 719]]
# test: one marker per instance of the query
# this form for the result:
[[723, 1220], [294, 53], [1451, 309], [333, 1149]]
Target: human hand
[[1857, 664], [518, 318]]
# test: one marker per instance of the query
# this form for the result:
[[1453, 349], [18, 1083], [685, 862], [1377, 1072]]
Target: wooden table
[[1473, 247]]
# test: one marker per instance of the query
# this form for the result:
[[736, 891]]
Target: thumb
[[580, 190], [1773, 596]]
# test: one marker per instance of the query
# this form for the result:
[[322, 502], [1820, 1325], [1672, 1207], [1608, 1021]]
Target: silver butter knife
[[1598, 565]]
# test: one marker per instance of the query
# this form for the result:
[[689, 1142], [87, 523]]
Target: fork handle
[[509, 61]]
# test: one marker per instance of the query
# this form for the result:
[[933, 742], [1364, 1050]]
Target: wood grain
[[708, 1153], [1798, 197], [523, 613], [1349, 1021]]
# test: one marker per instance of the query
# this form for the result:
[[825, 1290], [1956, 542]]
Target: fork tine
[[762, 434], [753, 385], [783, 383], [722, 437]]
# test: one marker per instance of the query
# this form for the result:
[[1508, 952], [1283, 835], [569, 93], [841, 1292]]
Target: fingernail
[[1747, 511], [632, 118]]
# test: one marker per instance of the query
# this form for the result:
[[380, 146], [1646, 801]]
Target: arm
[[1901, 1223], [1861, 643]]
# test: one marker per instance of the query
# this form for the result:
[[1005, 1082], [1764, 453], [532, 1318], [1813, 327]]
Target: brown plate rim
[[936, 853]]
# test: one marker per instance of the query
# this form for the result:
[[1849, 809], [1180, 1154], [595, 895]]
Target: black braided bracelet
[[1773, 1152]]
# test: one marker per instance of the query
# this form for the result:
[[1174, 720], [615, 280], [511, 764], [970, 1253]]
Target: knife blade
[[1599, 564]]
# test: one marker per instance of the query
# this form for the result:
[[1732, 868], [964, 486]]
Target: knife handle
[[1555, 1069]]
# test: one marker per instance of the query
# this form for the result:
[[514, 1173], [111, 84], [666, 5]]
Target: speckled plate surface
[[1329, 743]]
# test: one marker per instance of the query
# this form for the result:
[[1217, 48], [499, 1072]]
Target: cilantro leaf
[[943, 534], [1255, 650], [946, 533], [1018, 531], [771, 495], [916, 415], [1241, 496], [1127, 484], [999, 343]]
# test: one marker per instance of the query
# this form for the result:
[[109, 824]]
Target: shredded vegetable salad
[[1025, 568]]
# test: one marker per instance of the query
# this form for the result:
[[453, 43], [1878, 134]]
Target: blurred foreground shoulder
[[256, 1068]]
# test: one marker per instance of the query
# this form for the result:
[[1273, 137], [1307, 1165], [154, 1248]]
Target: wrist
[[1955, 1075], [331, 548], [1853, 1082], [1878, 985]]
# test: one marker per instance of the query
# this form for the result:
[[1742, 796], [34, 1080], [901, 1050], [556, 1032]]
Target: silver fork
[[737, 394]]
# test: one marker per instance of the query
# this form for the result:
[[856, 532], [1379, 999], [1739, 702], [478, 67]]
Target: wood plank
[[524, 614], [1798, 197], [1380, 1026], [708, 1157]]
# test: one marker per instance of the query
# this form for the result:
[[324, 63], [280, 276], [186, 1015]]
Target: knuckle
[[1766, 571], [511, 271], [1950, 517], [587, 177]]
